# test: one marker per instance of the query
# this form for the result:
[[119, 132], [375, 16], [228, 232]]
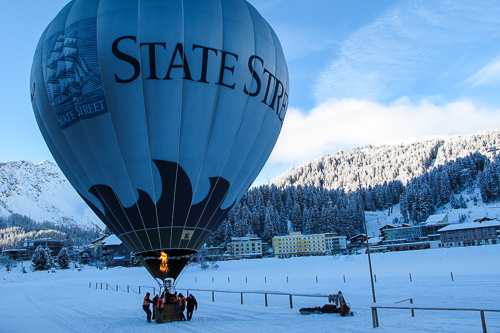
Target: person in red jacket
[[145, 306], [182, 307], [159, 307]]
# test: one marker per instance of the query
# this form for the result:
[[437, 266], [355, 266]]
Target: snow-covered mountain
[[42, 192], [376, 164]]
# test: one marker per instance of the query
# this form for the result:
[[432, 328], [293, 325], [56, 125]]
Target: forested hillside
[[17, 228], [378, 164], [324, 196]]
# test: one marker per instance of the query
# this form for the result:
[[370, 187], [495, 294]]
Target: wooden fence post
[[374, 317], [265, 297], [291, 303], [213, 296], [483, 322], [451, 276], [410, 278], [242, 298]]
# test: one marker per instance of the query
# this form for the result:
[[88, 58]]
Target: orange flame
[[164, 259]]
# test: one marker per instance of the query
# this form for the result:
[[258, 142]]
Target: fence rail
[[413, 308], [290, 296]]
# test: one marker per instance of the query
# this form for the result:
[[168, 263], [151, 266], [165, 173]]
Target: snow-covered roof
[[111, 240], [375, 240], [433, 219], [387, 226], [473, 225]]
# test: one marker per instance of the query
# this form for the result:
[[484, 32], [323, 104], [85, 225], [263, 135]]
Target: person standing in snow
[[182, 307], [145, 306], [191, 305]]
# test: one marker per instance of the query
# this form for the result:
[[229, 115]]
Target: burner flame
[[164, 259]]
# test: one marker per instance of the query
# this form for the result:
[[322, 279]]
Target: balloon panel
[[160, 113]]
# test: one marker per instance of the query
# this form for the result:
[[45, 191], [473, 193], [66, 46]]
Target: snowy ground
[[63, 301]]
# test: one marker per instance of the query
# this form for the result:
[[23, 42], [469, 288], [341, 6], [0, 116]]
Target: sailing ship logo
[[73, 79]]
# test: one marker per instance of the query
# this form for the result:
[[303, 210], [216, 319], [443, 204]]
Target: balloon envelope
[[161, 114]]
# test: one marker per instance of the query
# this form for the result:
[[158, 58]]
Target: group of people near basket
[[181, 303]]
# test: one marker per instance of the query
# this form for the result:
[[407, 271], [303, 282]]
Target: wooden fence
[[413, 308]]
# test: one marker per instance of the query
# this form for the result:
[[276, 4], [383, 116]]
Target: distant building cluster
[[437, 231]]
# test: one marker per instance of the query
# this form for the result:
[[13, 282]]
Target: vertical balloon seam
[[147, 132], [90, 145], [179, 132], [119, 223], [36, 109], [234, 138], [44, 88], [214, 109], [239, 196], [40, 120], [262, 124], [117, 142]]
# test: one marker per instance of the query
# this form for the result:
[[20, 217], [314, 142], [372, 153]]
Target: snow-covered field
[[63, 301]]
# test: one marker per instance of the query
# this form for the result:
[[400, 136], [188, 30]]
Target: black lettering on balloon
[[276, 88], [255, 76], [271, 76], [223, 68], [127, 58], [152, 59], [282, 111], [179, 49], [204, 61]]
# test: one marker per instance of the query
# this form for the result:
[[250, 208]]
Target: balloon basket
[[168, 314]]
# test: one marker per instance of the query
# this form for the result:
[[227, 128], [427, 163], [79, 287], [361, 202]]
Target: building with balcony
[[335, 243], [482, 232], [249, 246], [296, 244]]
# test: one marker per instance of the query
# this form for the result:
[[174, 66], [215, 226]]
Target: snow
[[63, 301], [111, 240], [43, 193], [473, 225]]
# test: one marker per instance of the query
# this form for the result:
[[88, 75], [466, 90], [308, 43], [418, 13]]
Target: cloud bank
[[340, 124]]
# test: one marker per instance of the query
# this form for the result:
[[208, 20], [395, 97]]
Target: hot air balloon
[[161, 114]]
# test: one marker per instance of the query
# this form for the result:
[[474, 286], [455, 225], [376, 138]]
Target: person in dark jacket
[[191, 305], [182, 306], [145, 306]]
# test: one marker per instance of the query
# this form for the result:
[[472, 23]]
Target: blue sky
[[361, 72]]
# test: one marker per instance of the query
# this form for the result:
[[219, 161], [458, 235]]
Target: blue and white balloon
[[161, 113]]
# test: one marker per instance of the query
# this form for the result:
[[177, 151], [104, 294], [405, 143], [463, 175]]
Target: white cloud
[[410, 46], [488, 74], [342, 124]]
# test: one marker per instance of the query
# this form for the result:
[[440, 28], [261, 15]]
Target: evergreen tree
[[63, 259], [41, 259]]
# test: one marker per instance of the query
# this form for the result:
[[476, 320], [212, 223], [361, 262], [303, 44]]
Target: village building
[[335, 243], [115, 253], [296, 244], [30, 245], [479, 232], [358, 241], [249, 246]]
